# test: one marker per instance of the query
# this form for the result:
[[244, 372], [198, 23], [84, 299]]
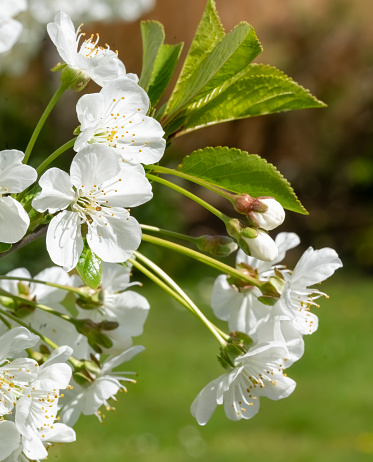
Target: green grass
[[328, 417]]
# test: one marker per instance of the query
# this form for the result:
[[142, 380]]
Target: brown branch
[[39, 232]]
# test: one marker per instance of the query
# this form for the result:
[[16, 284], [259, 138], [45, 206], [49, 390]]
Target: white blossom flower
[[240, 305], [10, 29], [88, 400], [17, 374], [94, 194], [37, 409], [15, 177], [297, 297], [99, 64], [36, 447], [259, 372], [117, 118], [271, 218]]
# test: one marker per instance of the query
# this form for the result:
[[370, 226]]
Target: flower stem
[[34, 304], [177, 297], [192, 196], [60, 90], [169, 233], [193, 179], [179, 290], [202, 258], [54, 155], [50, 284]]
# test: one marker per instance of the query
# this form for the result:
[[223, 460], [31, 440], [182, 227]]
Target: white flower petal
[[12, 286], [205, 403], [10, 30], [57, 192], [15, 177], [135, 97], [62, 34], [315, 266], [33, 447], [64, 239], [134, 188], [285, 242], [116, 241], [14, 220], [115, 277], [60, 433], [16, 340], [54, 376], [10, 438], [130, 309], [89, 109], [116, 361], [144, 143], [47, 295], [93, 165]]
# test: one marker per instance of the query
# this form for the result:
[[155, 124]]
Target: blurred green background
[[327, 155]]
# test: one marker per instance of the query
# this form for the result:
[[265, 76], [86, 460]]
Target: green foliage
[[209, 33], [152, 37], [219, 83], [257, 90], [164, 68], [216, 66], [240, 172], [159, 60], [89, 268]]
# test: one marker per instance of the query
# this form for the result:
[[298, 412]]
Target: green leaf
[[241, 44], [89, 268], [152, 37], [257, 90], [164, 68], [240, 172], [4, 247], [209, 33]]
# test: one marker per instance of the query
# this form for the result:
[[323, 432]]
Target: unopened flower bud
[[262, 212], [242, 203], [220, 246], [262, 246], [271, 218]]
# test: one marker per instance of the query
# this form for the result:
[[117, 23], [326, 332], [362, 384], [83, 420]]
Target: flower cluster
[[21, 38], [267, 334], [105, 321], [29, 398]]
